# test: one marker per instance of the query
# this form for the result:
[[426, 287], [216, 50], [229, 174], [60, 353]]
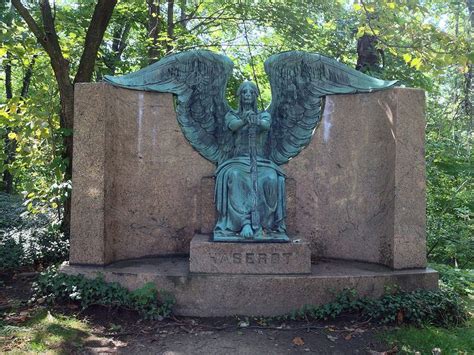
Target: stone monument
[[347, 212]]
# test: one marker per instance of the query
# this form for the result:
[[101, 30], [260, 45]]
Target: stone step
[[218, 295]]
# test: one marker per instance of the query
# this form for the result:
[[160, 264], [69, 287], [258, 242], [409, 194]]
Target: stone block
[[136, 180], [248, 258], [88, 242], [360, 188], [207, 206]]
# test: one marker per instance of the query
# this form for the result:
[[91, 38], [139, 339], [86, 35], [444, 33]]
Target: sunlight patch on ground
[[44, 332]]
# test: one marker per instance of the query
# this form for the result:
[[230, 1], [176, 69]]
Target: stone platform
[[213, 295], [248, 258]]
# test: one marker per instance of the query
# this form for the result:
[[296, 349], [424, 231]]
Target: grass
[[44, 332], [459, 340]]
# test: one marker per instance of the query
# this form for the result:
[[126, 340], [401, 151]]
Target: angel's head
[[248, 93]]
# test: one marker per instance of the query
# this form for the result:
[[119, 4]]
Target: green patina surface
[[248, 145]]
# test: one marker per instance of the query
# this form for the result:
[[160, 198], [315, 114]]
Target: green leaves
[[53, 287], [442, 307]]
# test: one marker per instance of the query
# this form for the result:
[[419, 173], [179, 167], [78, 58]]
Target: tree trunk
[[170, 26], [154, 29], [10, 144], [368, 56], [182, 15], [119, 44]]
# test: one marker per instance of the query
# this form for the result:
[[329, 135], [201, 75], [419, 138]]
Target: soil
[[123, 332]]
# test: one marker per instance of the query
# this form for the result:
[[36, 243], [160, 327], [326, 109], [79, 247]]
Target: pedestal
[[248, 258]]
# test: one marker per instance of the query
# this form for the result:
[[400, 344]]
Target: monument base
[[216, 295], [248, 258]]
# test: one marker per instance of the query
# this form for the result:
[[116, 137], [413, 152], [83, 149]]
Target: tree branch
[[95, 33], [51, 37], [32, 25], [48, 39], [170, 26], [27, 78]]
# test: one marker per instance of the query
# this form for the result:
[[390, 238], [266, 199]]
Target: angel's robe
[[234, 190]]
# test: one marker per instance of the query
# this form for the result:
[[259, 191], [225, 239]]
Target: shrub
[[28, 239], [460, 281], [441, 307], [53, 286]]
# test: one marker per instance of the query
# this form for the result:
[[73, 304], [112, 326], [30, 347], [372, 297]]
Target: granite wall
[[356, 192]]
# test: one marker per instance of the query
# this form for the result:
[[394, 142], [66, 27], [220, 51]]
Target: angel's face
[[248, 95]]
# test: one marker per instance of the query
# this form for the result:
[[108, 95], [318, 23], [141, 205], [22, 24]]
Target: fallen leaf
[[244, 324], [348, 337], [331, 338], [298, 341], [400, 317]]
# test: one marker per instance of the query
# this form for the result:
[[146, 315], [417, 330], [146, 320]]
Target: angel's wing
[[299, 81], [199, 79]]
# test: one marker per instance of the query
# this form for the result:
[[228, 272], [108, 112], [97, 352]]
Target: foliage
[[459, 280], [28, 239], [53, 286], [410, 339], [442, 307]]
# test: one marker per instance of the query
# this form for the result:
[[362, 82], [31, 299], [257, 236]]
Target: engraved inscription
[[251, 258]]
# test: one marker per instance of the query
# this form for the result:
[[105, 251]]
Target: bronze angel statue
[[249, 145]]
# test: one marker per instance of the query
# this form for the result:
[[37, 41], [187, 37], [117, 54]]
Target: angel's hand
[[263, 121], [253, 118]]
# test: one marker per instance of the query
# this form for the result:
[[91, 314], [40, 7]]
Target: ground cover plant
[[441, 307], [425, 338], [53, 286]]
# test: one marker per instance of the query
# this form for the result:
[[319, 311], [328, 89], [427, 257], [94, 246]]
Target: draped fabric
[[234, 196]]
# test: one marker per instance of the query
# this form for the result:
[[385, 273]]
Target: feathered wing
[[299, 81], [199, 79]]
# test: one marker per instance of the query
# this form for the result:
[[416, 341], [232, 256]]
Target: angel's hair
[[255, 92]]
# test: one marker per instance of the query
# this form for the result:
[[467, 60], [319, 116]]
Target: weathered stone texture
[[360, 182], [88, 199], [130, 152], [248, 258], [356, 192]]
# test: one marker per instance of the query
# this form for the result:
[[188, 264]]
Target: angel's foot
[[246, 231]]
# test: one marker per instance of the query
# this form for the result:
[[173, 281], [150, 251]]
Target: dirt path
[[255, 341], [101, 331]]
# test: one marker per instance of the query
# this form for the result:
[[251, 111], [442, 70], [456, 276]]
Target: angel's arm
[[233, 122], [265, 121]]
